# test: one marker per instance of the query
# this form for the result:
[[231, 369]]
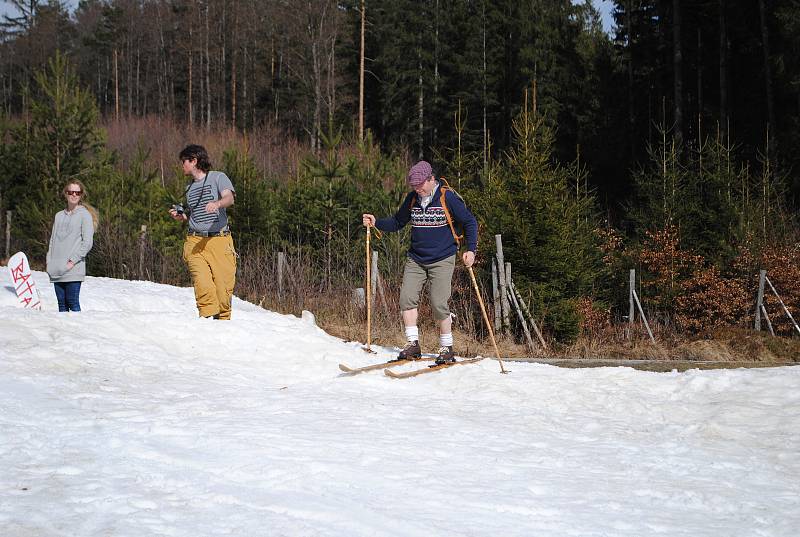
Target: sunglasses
[[74, 192]]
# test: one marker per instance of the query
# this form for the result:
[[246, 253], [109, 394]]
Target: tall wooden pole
[[368, 291], [677, 68], [723, 69], [116, 86], [486, 318], [374, 280], [361, 75], [764, 14]]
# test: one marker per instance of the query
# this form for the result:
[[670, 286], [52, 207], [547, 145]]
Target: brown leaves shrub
[[611, 243], [707, 300], [594, 317], [681, 284], [666, 266]]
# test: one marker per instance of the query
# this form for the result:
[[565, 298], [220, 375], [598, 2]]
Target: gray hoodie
[[71, 240]]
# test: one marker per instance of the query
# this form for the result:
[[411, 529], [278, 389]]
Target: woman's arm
[[87, 238], [52, 236]]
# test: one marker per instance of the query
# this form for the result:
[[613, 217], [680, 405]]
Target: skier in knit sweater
[[432, 255]]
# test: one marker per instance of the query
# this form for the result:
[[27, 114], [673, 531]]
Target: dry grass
[[727, 344], [339, 313], [346, 319]]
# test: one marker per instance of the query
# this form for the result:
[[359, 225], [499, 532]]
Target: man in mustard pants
[[208, 250]]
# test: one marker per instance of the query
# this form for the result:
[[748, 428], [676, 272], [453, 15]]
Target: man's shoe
[[446, 356], [410, 352]]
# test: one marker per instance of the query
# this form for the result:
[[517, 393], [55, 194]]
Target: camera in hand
[[178, 208]]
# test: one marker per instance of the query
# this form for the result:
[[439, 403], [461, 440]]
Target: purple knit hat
[[419, 173]]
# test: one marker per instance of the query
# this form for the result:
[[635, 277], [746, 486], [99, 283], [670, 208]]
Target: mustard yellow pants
[[212, 264]]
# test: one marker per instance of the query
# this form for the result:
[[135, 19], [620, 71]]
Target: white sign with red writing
[[24, 284]]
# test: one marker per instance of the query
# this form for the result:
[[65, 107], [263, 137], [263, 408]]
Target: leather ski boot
[[410, 352], [446, 355]]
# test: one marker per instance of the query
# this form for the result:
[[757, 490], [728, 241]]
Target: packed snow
[[136, 418]]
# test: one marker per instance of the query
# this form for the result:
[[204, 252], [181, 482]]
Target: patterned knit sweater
[[431, 237]]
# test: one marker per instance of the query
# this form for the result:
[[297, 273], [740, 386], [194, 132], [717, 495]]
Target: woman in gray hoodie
[[70, 242]]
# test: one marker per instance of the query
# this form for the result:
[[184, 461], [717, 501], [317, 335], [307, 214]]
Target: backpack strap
[[442, 189], [412, 201]]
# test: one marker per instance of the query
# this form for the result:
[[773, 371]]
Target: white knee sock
[[412, 333], [446, 340]]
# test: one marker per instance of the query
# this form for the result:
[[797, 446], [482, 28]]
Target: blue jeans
[[67, 295]]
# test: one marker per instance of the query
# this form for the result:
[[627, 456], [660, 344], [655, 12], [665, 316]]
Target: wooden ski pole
[[368, 292], [486, 318]]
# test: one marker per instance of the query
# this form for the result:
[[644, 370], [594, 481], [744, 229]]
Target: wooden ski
[[430, 369], [383, 365]]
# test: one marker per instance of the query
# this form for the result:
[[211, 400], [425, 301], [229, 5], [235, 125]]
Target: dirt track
[[651, 365]]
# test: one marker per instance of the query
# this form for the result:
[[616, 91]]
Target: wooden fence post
[[766, 318], [496, 297], [501, 277], [762, 276], [631, 305], [641, 312], [281, 264], [528, 313], [142, 239], [381, 294], [510, 290], [8, 234]]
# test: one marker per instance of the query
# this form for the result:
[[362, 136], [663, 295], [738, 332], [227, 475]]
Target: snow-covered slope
[[136, 418]]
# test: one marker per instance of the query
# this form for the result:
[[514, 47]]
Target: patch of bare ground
[[738, 344], [614, 345], [722, 348], [464, 344]]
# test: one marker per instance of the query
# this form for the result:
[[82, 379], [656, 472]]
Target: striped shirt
[[198, 194]]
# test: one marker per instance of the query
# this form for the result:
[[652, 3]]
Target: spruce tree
[[547, 225], [54, 144]]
